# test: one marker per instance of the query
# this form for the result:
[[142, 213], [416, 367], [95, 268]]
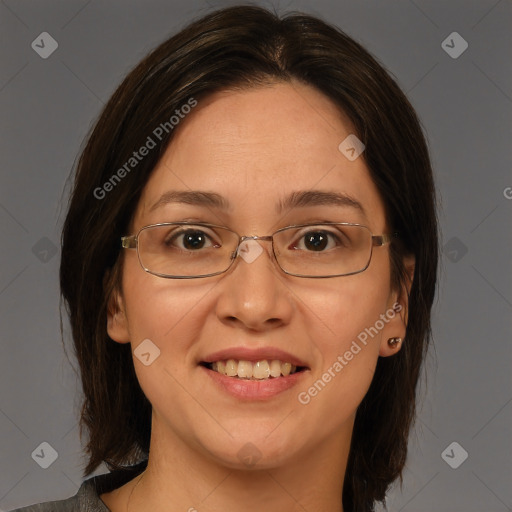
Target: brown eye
[[190, 240], [318, 240]]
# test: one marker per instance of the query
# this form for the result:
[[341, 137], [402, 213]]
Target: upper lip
[[254, 355]]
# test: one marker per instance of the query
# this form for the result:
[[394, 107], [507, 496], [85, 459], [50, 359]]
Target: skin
[[254, 147]]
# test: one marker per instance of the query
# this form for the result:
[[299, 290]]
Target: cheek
[[347, 353], [162, 309], [347, 315], [344, 308], [170, 314]]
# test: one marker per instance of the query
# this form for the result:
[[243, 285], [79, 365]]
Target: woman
[[224, 368]]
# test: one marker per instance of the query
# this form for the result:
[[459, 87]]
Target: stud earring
[[394, 342]]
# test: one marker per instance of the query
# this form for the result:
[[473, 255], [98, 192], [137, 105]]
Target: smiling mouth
[[259, 370]]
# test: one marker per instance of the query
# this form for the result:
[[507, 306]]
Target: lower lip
[[254, 389]]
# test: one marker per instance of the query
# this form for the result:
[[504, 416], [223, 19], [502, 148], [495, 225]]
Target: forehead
[[257, 146]]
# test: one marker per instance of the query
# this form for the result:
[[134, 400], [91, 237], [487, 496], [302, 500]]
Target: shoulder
[[69, 505], [87, 499]]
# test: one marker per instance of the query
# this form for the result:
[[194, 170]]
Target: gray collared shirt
[[87, 499]]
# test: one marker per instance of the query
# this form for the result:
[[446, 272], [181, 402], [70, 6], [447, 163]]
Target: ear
[[397, 314], [117, 323]]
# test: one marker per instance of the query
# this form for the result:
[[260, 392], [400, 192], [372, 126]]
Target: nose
[[253, 293]]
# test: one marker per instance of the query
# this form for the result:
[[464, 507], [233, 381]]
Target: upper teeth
[[258, 370]]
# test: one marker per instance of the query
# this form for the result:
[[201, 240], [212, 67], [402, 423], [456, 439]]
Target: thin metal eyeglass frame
[[131, 242]]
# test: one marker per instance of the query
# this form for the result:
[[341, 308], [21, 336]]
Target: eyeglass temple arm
[[379, 240], [129, 242]]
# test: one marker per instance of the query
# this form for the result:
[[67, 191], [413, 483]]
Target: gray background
[[47, 107]]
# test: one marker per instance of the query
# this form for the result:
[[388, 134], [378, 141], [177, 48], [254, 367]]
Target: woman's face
[[255, 148]]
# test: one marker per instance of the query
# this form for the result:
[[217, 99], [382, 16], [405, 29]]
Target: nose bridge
[[265, 238], [254, 237], [253, 292]]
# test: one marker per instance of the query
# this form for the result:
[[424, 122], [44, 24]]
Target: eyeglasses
[[184, 250]]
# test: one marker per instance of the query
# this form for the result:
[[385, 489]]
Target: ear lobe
[[117, 323], [397, 325]]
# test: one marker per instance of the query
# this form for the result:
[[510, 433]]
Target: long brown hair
[[239, 47]]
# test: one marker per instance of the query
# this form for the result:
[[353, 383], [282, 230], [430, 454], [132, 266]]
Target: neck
[[181, 478]]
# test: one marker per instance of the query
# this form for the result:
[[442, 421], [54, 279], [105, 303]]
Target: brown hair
[[238, 47]]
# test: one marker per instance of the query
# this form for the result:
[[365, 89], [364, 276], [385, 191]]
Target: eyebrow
[[306, 198], [193, 197], [299, 199]]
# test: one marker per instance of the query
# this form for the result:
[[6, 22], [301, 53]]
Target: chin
[[246, 451]]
